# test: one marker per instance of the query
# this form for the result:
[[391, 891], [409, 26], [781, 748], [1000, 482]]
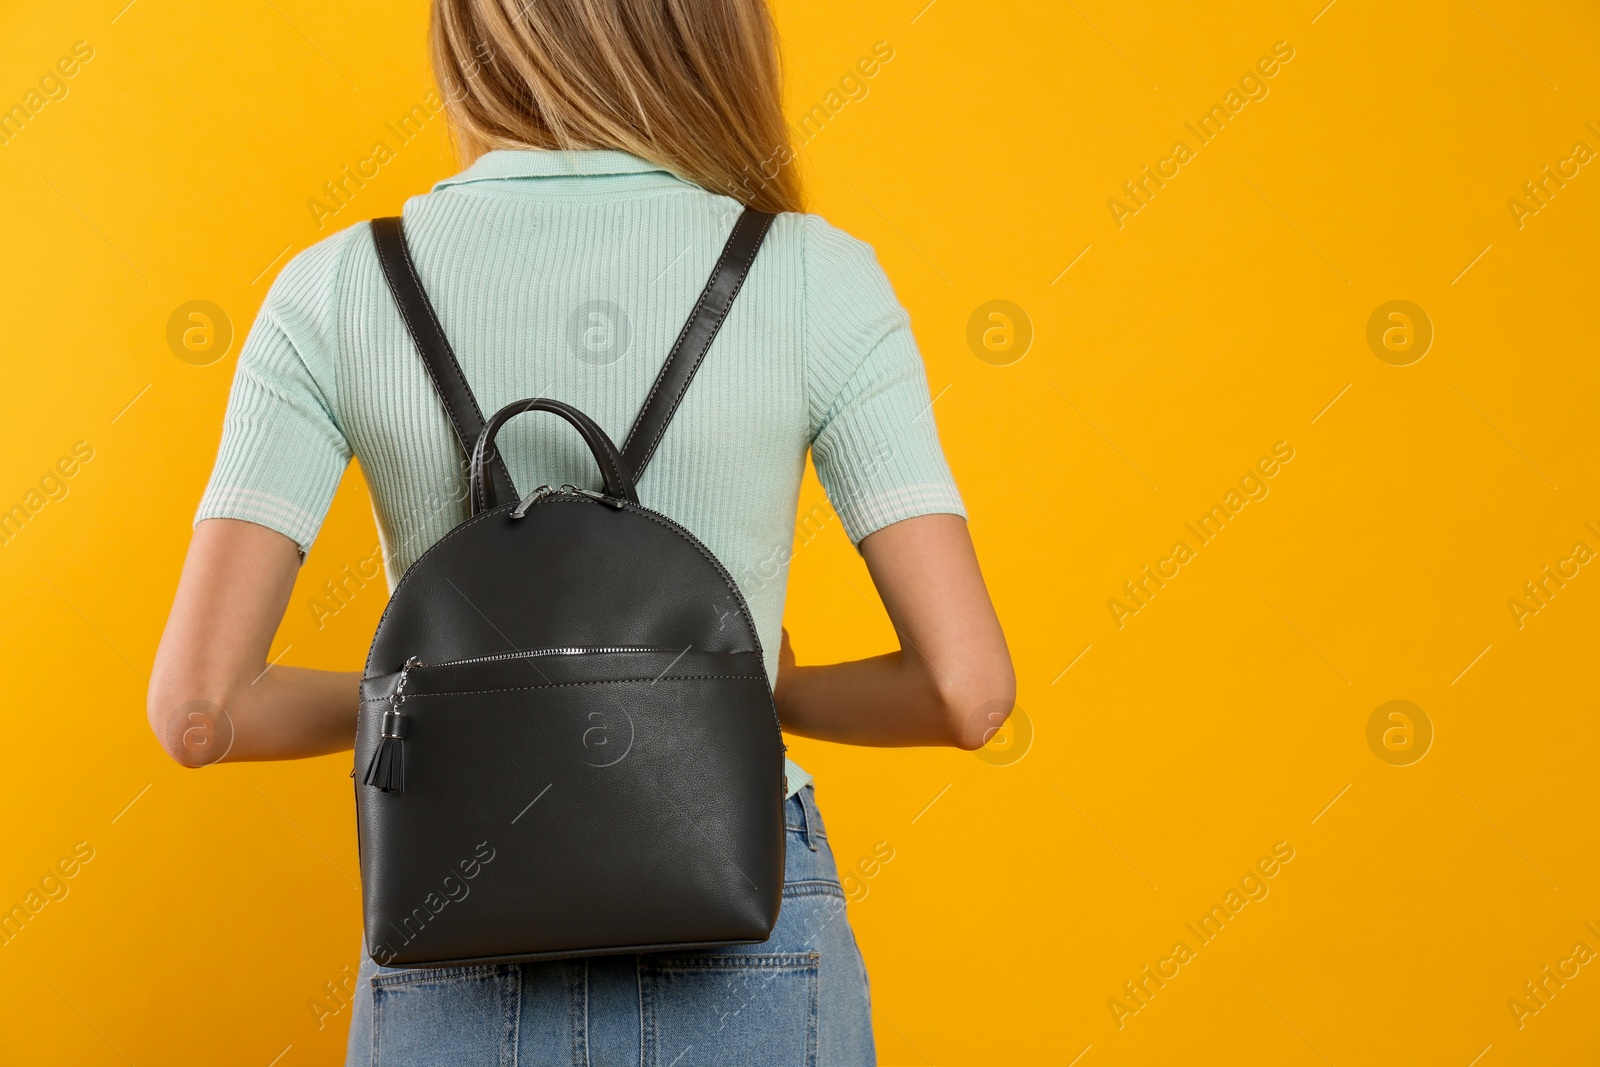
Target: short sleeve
[[874, 440], [283, 451]]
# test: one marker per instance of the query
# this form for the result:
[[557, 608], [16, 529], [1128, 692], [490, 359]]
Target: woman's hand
[[213, 696], [952, 681]]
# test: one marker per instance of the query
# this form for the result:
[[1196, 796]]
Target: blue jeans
[[797, 1000]]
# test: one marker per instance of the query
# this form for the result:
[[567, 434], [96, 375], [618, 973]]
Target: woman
[[614, 142]]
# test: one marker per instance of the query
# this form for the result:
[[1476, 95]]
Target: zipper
[[545, 491], [531, 499], [526, 654], [592, 495]]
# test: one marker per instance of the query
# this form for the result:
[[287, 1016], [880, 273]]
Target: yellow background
[[1026, 886]]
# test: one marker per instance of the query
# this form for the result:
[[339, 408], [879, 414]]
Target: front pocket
[[575, 803], [729, 1009]]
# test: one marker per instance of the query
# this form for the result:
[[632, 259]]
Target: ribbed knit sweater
[[568, 275]]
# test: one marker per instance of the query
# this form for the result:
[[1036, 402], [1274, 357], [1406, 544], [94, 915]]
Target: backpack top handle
[[613, 471]]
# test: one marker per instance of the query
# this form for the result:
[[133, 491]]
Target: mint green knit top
[[568, 275]]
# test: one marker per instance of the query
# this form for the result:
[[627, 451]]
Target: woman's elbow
[[167, 724], [194, 731], [978, 704]]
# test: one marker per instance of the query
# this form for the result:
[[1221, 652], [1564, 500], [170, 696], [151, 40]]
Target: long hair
[[691, 85]]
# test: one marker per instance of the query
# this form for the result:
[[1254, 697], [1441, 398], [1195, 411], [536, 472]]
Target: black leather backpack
[[567, 743]]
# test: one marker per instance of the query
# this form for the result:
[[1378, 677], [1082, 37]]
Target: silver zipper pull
[[531, 499], [592, 495]]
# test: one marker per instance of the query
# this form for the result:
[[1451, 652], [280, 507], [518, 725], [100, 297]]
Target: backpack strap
[[695, 339], [449, 382], [687, 353]]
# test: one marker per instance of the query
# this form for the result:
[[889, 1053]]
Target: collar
[[511, 163]]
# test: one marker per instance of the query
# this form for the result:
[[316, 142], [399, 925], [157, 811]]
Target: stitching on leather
[[720, 314], [688, 325], [406, 577], [586, 432], [473, 466], [480, 462], [727, 579], [421, 294], [765, 221], [661, 520], [427, 306], [610, 455], [387, 697], [597, 681], [606, 455], [727, 306], [397, 285], [738, 597]]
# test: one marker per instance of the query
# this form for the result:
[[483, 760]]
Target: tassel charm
[[387, 768]]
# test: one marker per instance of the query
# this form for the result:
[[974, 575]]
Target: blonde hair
[[691, 85]]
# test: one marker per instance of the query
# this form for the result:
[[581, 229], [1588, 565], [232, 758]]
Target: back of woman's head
[[692, 85]]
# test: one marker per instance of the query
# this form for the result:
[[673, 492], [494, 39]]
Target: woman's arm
[[951, 683], [212, 696]]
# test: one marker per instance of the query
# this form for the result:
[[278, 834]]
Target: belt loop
[[806, 810]]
